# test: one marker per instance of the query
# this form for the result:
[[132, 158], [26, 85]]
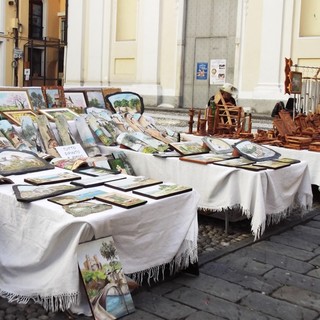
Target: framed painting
[[104, 280], [97, 181], [54, 177], [295, 82], [132, 183], [236, 162], [14, 99], [29, 193], [162, 190], [54, 96], [54, 112], [96, 171], [207, 158], [217, 145], [82, 209], [125, 102], [36, 97], [121, 199], [95, 99], [254, 151], [14, 116], [76, 197], [75, 99], [189, 147], [19, 162], [273, 164]]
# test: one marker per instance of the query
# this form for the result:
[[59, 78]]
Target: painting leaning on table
[[105, 283]]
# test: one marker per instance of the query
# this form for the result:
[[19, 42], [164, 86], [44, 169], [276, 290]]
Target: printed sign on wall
[[217, 71], [202, 71]]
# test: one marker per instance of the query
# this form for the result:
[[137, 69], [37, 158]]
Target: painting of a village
[[105, 283]]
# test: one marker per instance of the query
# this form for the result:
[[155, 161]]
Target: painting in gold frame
[[14, 99], [53, 112], [14, 116]]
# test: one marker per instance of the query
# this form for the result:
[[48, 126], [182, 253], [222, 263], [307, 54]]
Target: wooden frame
[[121, 199], [187, 148], [53, 112], [125, 101], [20, 162], [75, 99], [95, 99], [161, 191], [29, 193], [15, 115], [36, 98], [295, 82], [14, 99], [54, 96]]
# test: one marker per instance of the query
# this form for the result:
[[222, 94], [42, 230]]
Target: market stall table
[[312, 158], [264, 197], [39, 242]]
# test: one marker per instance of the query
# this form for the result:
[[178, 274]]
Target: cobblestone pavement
[[275, 278]]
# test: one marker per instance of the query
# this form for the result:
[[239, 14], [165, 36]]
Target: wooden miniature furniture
[[227, 119]]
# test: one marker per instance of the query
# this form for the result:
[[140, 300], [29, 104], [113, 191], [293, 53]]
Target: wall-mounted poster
[[218, 71], [202, 71]]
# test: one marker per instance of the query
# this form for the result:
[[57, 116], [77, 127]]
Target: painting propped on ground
[[105, 283]]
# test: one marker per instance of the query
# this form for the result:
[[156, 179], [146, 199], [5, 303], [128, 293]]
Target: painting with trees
[[105, 282]]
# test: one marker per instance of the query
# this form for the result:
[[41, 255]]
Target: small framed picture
[[95, 99], [296, 82], [75, 99], [53, 112], [37, 98], [14, 99], [54, 96], [14, 116]]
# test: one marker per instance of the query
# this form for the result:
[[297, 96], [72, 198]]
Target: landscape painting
[[95, 99], [36, 98], [105, 283], [14, 99]]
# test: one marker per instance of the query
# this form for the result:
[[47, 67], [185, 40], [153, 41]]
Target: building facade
[[164, 50]]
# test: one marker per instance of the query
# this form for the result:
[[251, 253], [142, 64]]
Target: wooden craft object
[[191, 122], [153, 131], [289, 124], [87, 139], [31, 134], [203, 127], [101, 133], [47, 136], [13, 136], [63, 130], [227, 119]]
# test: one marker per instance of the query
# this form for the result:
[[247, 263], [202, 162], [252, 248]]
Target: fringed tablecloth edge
[[54, 303], [179, 262]]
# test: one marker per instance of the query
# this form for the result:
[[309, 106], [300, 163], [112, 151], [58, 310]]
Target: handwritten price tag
[[72, 151]]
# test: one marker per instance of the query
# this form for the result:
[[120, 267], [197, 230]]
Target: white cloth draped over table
[[264, 196], [39, 240]]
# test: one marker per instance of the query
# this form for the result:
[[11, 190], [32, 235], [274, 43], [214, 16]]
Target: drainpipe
[[181, 50], [16, 45]]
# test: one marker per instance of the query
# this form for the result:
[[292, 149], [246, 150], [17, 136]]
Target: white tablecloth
[[265, 196], [39, 241], [311, 157]]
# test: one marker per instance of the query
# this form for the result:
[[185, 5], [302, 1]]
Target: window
[[63, 30], [35, 19], [35, 58]]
